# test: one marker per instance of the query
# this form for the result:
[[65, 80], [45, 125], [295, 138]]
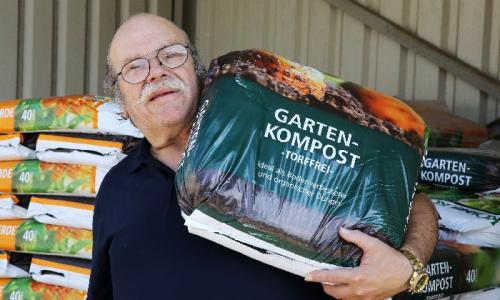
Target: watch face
[[421, 283]]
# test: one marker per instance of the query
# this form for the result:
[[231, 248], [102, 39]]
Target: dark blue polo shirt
[[142, 250]]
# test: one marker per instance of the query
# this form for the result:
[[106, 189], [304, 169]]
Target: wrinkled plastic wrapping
[[470, 221], [282, 155], [63, 271], [14, 265], [459, 268], [476, 170]]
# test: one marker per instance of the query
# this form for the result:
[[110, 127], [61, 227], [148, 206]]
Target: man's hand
[[383, 271]]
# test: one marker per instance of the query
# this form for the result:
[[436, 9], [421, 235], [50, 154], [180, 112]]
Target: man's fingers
[[346, 292], [361, 239], [333, 277]]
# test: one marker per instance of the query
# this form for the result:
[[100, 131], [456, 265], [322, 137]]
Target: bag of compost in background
[[34, 237], [446, 129], [459, 268], [472, 169], [14, 265], [26, 288], [36, 177], [75, 150], [85, 113], [68, 272], [446, 193], [282, 155], [10, 208], [460, 222], [72, 212], [11, 148]]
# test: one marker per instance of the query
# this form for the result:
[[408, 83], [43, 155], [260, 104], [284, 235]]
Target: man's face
[[167, 97]]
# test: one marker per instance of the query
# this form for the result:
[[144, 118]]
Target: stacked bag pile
[[461, 175], [54, 152]]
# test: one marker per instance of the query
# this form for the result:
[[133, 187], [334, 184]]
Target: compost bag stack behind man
[[141, 247]]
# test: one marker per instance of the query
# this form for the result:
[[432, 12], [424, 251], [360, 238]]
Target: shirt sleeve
[[100, 286]]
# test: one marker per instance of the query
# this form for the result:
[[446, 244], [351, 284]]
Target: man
[[142, 250]]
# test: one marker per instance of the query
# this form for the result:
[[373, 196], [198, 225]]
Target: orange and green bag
[[85, 113], [25, 288], [36, 177], [34, 237]]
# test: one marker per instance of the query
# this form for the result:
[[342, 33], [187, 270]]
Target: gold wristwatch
[[419, 278]]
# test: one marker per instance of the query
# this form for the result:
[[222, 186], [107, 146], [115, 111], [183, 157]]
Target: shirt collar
[[142, 157]]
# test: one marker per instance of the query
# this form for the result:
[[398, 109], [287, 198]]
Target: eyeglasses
[[137, 70]]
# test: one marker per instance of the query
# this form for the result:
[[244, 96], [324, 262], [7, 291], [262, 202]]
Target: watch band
[[419, 278]]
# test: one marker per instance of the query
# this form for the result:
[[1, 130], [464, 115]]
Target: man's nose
[[156, 70]]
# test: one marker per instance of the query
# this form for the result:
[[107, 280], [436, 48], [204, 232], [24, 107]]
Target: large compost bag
[[459, 221], [72, 212], [75, 150], [14, 265], [68, 272], [26, 288], [12, 149], [282, 155], [34, 237], [458, 268], [36, 177], [69, 113], [10, 208], [464, 168]]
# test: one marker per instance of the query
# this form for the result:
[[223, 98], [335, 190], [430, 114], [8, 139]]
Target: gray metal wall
[[58, 47], [315, 33]]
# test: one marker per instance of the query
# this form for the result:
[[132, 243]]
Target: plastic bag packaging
[[85, 113], [12, 149], [472, 169], [462, 223], [14, 265], [281, 155], [31, 236], [72, 212], [74, 150], [26, 288], [448, 130], [68, 272], [36, 177], [10, 208], [459, 268]]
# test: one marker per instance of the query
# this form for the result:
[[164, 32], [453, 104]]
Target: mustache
[[170, 82]]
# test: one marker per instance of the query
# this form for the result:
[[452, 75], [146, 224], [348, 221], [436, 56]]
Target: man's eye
[[170, 55]]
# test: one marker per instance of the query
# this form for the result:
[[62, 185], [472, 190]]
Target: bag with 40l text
[[282, 155]]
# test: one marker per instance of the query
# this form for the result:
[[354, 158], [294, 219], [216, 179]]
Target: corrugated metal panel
[[59, 47], [317, 34]]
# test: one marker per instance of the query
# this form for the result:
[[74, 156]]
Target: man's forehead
[[142, 38]]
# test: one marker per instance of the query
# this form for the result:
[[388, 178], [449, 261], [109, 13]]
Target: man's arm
[[383, 271]]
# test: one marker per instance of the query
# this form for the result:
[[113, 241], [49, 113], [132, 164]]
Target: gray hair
[[110, 81]]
